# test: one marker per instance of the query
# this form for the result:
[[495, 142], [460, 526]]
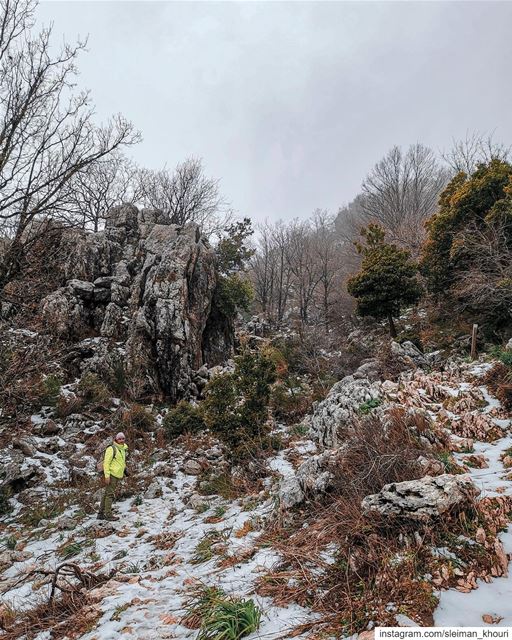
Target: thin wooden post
[[473, 341]]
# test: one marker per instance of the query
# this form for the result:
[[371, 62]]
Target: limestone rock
[[290, 492], [148, 284], [153, 491], [314, 476], [338, 409], [26, 447], [421, 500], [409, 353], [81, 289], [192, 468], [18, 473]]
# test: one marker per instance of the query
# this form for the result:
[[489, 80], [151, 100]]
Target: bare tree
[[271, 272], [476, 148], [350, 219], [327, 255], [301, 261], [47, 133], [302, 266], [401, 193], [263, 270], [92, 192], [484, 286], [186, 195]]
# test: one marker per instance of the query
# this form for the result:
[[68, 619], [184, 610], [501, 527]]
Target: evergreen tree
[[484, 198], [234, 291], [387, 280]]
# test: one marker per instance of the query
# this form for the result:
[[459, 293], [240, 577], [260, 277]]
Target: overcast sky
[[290, 104]]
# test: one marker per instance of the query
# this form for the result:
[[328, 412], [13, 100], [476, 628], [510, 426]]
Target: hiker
[[114, 468]]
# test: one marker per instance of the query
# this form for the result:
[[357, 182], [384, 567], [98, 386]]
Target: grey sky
[[290, 104]]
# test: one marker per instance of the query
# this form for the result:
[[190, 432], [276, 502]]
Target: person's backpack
[[99, 464]]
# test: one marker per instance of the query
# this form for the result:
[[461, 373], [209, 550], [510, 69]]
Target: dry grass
[[499, 381], [348, 566], [390, 367], [71, 616], [373, 563], [25, 361], [382, 450]]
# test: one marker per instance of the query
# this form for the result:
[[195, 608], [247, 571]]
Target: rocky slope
[[181, 527]]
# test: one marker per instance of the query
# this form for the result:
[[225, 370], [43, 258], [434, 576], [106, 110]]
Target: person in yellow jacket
[[114, 469]]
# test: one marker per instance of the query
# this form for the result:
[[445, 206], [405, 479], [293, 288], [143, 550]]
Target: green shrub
[[5, 505], [183, 418], [291, 400], [503, 355], [236, 404], [92, 389], [10, 543], [368, 406], [387, 280], [233, 293], [230, 620], [219, 616], [481, 199], [50, 390]]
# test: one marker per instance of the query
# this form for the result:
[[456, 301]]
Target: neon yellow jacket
[[115, 465]]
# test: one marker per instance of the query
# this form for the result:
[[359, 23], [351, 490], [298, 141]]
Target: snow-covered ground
[[145, 599], [154, 547], [494, 598]]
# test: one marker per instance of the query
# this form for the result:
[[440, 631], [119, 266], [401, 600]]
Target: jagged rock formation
[[146, 285], [421, 500]]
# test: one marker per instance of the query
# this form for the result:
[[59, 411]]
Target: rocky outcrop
[[336, 412], [421, 500], [148, 285]]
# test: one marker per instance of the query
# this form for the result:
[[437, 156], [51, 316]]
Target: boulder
[[334, 414], [290, 492], [17, 473], [314, 476], [81, 289], [153, 491], [421, 500], [409, 353], [192, 468], [26, 447]]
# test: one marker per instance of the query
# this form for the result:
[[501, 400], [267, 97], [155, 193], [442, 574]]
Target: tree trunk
[[10, 262], [392, 328]]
